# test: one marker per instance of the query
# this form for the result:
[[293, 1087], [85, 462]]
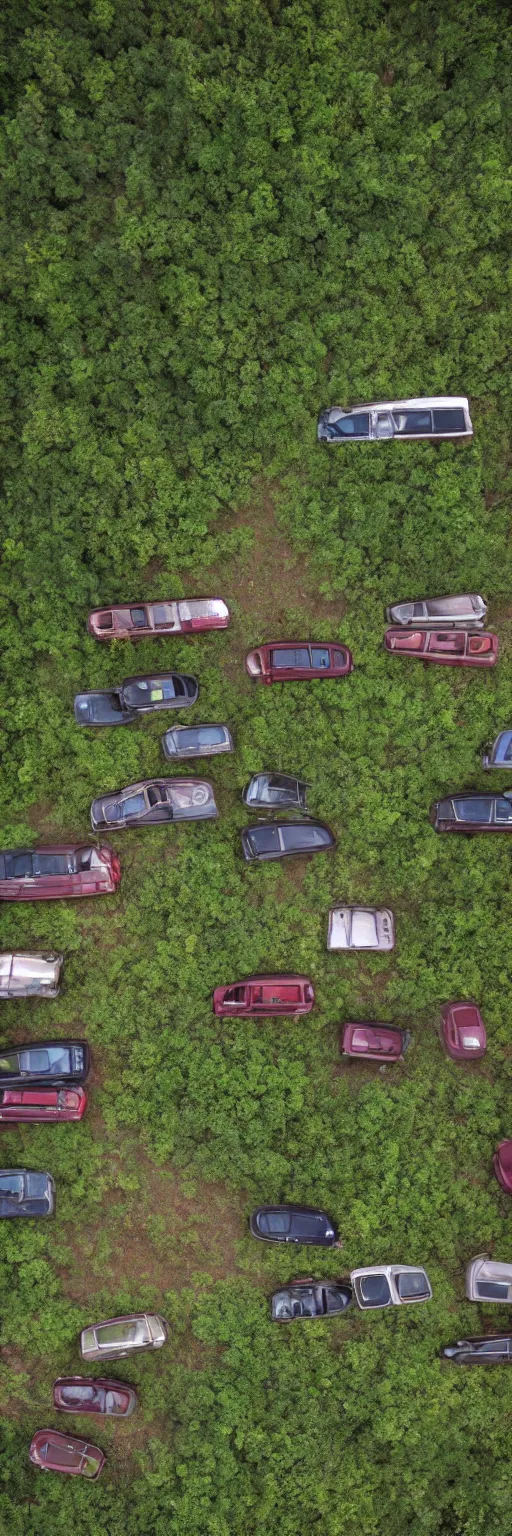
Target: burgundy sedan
[[450, 648], [50, 1104], [44, 874], [374, 1042], [83, 1394], [54, 1452], [503, 1165], [265, 996], [463, 1031], [282, 661], [139, 620]]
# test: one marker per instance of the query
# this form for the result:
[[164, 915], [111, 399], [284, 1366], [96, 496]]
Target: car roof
[[410, 402]]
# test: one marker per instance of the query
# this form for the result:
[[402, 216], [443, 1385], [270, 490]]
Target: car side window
[[296, 657], [479, 809], [355, 425], [414, 422], [320, 656]]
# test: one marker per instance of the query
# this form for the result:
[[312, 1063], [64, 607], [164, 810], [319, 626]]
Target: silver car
[[457, 611], [123, 1335], [34, 975], [500, 754], [196, 741], [152, 802], [390, 1285], [487, 1280], [360, 928], [430, 417]]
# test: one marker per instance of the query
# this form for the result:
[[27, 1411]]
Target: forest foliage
[[218, 218]]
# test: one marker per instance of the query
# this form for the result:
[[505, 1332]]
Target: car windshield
[[490, 1347], [374, 1290], [412, 1285], [11, 1185], [45, 1061], [479, 809], [320, 656], [356, 425], [283, 1305], [304, 836], [275, 1223], [115, 1401], [204, 736], [296, 657], [79, 1393], [265, 839], [275, 790], [339, 658], [450, 420], [504, 749]]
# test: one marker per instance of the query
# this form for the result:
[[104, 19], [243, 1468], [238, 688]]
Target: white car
[[390, 1285], [361, 928], [430, 416], [488, 1280], [34, 975], [457, 611]]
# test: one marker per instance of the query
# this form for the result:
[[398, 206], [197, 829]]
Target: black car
[[275, 839], [280, 790], [135, 696], [484, 1350], [293, 1224], [304, 1299], [23, 1193], [54, 1061], [152, 802]]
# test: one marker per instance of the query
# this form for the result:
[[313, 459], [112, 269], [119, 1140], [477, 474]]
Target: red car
[[137, 622], [374, 1042], [503, 1165], [463, 1031], [54, 1452], [265, 996], [451, 648], [42, 1104], [44, 874], [83, 1394], [283, 660]]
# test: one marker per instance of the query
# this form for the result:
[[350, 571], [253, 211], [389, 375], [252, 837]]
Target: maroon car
[[20, 1104], [265, 996], [44, 874], [283, 660], [84, 1394], [54, 1452], [137, 621], [374, 1042], [473, 812], [463, 1031], [503, 1165], [451, 648]]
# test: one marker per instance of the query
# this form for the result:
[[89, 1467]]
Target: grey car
[[275, 791], [360, 928], [196, 741], [153, 802], [488, 1280], [26, 1193], [458, 612], [500, 754], [390, 1285], [429, 416], [122, 1336]]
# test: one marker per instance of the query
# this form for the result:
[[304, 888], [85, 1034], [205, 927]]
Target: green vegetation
[[218, 217]]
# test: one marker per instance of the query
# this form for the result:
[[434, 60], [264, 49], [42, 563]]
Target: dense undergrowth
[[219, 217]]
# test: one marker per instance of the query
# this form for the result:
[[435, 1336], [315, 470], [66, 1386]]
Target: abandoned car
[[473, 813], [467, 610], [54, 1452], [122, 1336], [61, 1061], [500, 754], [282, 661], [276, 839], [47, 874], [488, 1280], [374, 1042], [390, 1285], [304, 1299], [275, 790], [463, 1031], [428, 416], [360, 928], [137, 621], [445, 647], [25, 1105], [154, 801], [82, 1394], [34, 975], [265, 997], [25, 1192], [135, 696], [293, 1224], [196, 741]]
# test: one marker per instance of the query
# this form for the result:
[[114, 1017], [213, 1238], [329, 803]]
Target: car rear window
[[492, 1290], [375, 1290], [479, 809], [339, 658], [265, 839], [304, 837], [450, 420], [412, 1285], [298, 657]]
